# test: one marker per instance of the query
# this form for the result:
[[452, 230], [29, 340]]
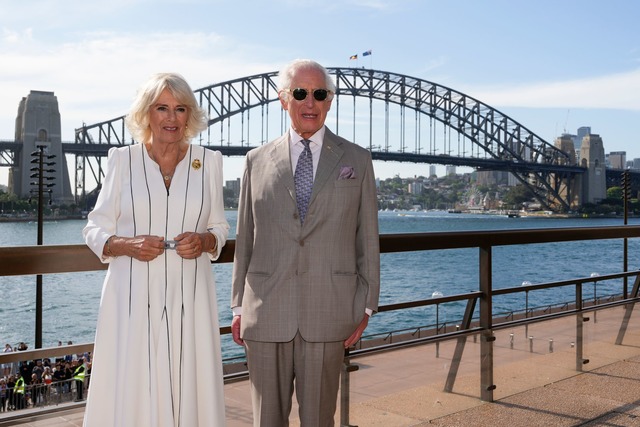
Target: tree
[[614, 193], [518, 195]]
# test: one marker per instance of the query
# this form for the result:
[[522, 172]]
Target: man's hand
[[355, 336], [235, 330]]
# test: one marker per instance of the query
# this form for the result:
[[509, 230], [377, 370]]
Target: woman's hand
[[142, 248], [191, 245]]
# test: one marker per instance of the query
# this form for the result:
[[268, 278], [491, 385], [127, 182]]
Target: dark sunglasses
[[300, 94]]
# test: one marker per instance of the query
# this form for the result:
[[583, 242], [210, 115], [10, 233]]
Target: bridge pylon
[[594, 186], [38, 124]]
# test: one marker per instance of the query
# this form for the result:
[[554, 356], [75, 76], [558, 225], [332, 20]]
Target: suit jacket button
[[295, 216], [301, 242]]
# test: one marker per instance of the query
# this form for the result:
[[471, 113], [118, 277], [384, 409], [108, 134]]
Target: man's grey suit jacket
[[315, 278]]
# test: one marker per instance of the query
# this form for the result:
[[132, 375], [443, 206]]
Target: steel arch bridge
[[385, 112]]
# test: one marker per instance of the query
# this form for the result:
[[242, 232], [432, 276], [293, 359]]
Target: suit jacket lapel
[[329, 158], [281, 156]]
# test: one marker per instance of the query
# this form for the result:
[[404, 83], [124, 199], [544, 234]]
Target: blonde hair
[[137, 120]]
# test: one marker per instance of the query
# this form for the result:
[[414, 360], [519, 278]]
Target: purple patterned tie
[[304, 180]]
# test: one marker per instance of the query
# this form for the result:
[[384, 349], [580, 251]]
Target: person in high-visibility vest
[[78, 376], [19, 392]]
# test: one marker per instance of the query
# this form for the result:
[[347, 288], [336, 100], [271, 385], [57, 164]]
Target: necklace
[[166, 176]]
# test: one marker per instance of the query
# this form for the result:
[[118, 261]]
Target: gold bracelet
[[108, 252]]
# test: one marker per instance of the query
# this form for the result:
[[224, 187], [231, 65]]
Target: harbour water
[[71, 301]]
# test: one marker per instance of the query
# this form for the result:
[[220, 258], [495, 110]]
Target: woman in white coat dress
[[159, 221]]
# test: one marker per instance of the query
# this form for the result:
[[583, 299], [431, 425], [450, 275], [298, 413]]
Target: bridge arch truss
[[397, 117]]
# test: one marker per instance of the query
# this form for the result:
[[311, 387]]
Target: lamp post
[[595, 288], [526, 293], [526, 306], [43, 185], [437, 294]]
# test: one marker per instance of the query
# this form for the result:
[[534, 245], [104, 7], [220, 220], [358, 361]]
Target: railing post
[[460, 343], [347, 368], [625, 245], [628, 311], [580, 319], [486, 323]]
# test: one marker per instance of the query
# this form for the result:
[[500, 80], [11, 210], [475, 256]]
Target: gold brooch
[[196, 164]]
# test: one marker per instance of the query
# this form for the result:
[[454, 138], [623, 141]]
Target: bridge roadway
[[537, 385], [101, 150]]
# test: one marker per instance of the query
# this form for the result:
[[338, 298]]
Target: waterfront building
[[490, 177], [415, 188], [617, 159], [233, 185]]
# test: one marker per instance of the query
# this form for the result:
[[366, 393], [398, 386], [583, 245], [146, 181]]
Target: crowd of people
[[41, 382]]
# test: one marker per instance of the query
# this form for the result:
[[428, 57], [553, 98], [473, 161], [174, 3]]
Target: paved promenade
[[535, 374]]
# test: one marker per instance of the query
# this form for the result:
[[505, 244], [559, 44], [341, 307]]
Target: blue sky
[[552, 65]]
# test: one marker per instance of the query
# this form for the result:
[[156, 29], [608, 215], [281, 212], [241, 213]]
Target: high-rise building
[[415, 188], [618, 159], [432, 170], [450, 170], [492, 177], [582, 132], [577, 139], [233, 186]]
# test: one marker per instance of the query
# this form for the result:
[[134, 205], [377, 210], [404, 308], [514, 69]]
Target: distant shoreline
[[520, 214], [46, 218]]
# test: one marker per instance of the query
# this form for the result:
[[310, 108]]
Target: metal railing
[[49, 259]]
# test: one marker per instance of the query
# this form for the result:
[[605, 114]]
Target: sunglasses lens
[[320, 94], [299, 94]]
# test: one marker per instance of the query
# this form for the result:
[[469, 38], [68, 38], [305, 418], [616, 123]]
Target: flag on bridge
[[367, 53], [353, 57]]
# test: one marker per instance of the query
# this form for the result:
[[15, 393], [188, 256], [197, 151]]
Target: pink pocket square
[[347, 172]]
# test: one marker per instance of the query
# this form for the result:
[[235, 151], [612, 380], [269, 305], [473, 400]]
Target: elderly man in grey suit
[[306, 274]]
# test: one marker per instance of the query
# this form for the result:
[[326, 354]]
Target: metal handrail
[[47, 259]]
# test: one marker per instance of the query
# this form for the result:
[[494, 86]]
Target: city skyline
[[551, 66]]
